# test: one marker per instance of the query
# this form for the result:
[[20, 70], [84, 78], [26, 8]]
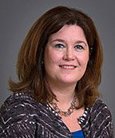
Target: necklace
[[70, 109]]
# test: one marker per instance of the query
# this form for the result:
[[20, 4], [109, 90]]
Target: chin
[[69, 81]]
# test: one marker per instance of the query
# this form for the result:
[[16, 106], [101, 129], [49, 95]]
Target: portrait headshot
[[57, 69]]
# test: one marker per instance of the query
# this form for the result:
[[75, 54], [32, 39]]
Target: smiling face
[[66, 55]]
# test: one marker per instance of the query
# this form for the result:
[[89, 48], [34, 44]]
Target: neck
[[64, 95]]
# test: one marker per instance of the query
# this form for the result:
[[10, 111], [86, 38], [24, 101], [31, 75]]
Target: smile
[[68, 66]]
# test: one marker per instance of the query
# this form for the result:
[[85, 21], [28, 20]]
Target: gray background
[[17, 16]]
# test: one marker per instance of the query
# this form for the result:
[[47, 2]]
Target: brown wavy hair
[[30, 70]]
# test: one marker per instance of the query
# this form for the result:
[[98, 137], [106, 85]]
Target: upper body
[[60, 62], [21, 116]]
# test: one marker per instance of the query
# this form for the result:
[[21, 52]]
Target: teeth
[[68, 66]]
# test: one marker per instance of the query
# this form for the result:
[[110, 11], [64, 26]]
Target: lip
[[66, 66]]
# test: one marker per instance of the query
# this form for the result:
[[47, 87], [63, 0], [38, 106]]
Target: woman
[[59, 71]]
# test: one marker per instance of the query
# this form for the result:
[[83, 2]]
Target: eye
[[60, 46], [79, 47]]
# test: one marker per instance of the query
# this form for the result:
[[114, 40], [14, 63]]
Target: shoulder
[[22, 116], [101, 118], [100, 109], [17, 114], [20, 104]]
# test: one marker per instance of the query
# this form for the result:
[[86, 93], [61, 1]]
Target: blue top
[[78, 134]]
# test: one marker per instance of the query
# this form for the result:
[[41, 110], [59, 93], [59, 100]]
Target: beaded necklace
[[70, 109]]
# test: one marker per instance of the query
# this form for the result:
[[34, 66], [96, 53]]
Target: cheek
[[51, 58], [87, 59], [84, 60]]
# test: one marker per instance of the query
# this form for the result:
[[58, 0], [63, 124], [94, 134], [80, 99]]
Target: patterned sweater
[[22, 117]]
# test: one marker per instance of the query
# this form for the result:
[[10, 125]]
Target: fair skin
[[65, 60]]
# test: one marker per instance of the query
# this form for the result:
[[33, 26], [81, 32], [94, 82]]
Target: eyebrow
[[59, 40]]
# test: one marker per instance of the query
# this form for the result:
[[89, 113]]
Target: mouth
[[68, 66]]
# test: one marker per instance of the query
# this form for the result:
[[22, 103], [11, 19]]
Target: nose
[[69, 54]]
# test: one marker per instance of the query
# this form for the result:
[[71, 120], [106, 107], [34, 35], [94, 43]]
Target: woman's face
[[66, 55]]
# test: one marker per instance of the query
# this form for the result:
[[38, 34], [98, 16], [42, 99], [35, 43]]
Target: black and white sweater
[[22, 117]]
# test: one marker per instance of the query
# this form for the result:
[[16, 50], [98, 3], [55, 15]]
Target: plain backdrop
[[17, 16]]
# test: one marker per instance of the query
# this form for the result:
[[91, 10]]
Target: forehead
[[69, 32]]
